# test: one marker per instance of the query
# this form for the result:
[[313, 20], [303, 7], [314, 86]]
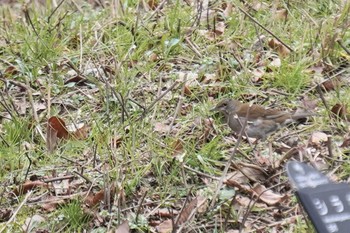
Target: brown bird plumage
[[231, 106], [262, 121]]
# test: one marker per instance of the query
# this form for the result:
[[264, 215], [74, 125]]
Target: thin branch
[[267, 30], [343, 47], [228, 164], [159, 98], [17, 210]]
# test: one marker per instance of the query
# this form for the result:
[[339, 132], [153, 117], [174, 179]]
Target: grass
[[131, 55]]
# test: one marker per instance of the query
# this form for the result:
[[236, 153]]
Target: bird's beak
[[215, 109]]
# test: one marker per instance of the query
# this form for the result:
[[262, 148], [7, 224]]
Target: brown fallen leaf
[[93, 199], [317, 138], [278, 47], [5, 214], [81, 133], [346, 142], [187, 212], [165, 227], [178, 147], [59, 126], [219, 28], [281, 14], [339, 110], [268, 196], [165, 213], [152, 4], [331, 84], [123, 228], [56, 129], [10, 71], [27, 186]]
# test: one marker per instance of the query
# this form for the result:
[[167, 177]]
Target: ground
[[105, 121]]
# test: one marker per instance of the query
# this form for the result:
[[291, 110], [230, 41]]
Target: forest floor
[[105, 121]]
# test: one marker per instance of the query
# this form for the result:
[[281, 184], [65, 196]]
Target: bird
[[260, 121], [231, 106], [258, 128]]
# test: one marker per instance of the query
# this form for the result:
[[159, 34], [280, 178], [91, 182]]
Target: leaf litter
[[105, 163]]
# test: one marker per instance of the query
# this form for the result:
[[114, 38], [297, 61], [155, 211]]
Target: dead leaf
[[317, 138], [346, 142], [165, 227], [10, 71], [78, 80], [281, 14], [228, 9], [246, 202], [339, 110], [153, 57], [202, 204], [187, 212], [178, 148], [116, 141], [164, 212], [123, 228], [238, 177], [331, 84], [161, 127], [252, 173], [268, 196], [278, 47], [32, 223], [27, 186], [56, 129], [152, 4], [5, 214], [81, 133], [219, 28], [61, 187], [257, 74], [309, 103], [93, 199], [49, 207], [59, 126], [187, 90]]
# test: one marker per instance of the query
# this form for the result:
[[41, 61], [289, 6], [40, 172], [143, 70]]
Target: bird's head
[[227, 106]]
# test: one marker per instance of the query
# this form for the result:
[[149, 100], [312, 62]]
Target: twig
[[160, 6], [139, 207], [250, 207], [228, 164], [175, 225], [49, 180], [16, 83], [318, 88], [179, 104], [35, 114], [159, 98], [30, 164], [286, 156], [82, 176], [267, 30], [53, 12], [343, 47], [329, 146], [3, 139], [17, 210], [228, 213], [201, 173], [193, 47], [330, 78], [287, 221]]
